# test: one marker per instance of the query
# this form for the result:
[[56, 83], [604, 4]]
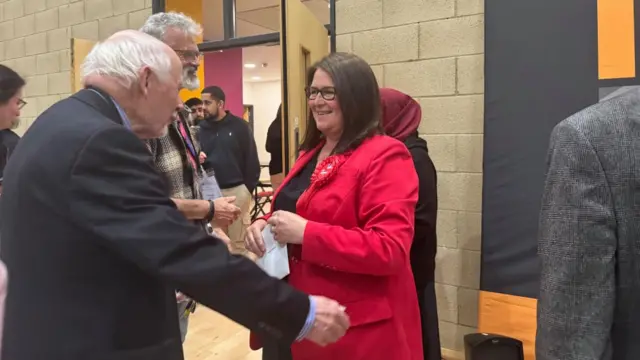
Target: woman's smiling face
[[324, 104]]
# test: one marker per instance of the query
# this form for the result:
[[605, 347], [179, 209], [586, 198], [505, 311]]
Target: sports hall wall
[[434, 51], [544, 60]]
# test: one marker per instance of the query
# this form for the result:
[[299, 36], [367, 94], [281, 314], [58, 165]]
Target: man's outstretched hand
[[331, 322], [226, 211]]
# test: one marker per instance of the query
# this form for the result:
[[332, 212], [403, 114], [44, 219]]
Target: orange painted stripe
[[509, 315], [616, 39]]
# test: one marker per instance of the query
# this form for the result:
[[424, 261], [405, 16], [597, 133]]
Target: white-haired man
[[177, 154], [96, 247]]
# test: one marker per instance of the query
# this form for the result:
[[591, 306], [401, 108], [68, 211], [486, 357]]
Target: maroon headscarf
[[401, 114]]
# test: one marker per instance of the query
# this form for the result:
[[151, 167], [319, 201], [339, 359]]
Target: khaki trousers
[[276, 181], [237, 229]]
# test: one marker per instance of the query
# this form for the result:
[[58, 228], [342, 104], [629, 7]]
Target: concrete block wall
[[35, 40], [433, 50]]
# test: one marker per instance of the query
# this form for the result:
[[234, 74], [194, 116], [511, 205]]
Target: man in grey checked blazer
[[589, 302]]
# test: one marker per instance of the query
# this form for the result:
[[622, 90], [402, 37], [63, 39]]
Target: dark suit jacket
[[95, 249], [589, 302]]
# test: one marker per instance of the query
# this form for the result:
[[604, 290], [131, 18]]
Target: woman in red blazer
[[346, 211]]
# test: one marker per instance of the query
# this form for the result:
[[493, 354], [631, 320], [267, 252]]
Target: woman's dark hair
[[10, 84], [358, 95]]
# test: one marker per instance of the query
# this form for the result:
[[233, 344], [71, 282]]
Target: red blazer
[[360, 211]]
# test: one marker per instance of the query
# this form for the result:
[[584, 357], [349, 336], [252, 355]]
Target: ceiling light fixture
[[256, 78], [250, 66]]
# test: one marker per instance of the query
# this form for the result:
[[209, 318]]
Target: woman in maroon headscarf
[[400, 118]]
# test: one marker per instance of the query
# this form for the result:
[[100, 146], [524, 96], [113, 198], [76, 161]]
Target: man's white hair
[[123, 56], [157, 24]]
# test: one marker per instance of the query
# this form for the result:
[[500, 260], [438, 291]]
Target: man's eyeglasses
[[188, 54], [327, 93], [21, 103]]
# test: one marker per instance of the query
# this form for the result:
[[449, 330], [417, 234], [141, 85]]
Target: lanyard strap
[[182, 128], [185, 137]]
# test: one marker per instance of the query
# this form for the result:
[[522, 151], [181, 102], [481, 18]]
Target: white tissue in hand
[[275, 261]]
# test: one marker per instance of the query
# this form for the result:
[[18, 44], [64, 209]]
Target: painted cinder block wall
[[35, 41], [433, 50]]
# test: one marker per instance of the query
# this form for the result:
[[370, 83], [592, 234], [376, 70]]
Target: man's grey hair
[[157, 25], [124, 54]]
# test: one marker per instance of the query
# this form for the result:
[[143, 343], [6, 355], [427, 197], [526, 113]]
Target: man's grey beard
[[190, 79]]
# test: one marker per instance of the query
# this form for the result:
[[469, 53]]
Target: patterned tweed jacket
[[589, 244], [170, 154]]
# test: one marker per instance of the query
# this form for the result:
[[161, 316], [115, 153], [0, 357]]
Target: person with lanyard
[[176, 154], [96, 247]]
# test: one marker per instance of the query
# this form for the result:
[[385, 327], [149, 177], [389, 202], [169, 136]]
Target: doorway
[[278, 40]]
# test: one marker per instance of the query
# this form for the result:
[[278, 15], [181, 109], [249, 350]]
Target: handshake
[[331, 322]]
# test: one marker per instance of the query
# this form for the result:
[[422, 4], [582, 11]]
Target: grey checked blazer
[[589, 243]]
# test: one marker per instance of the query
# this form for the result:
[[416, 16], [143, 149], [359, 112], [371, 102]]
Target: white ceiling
[[266, 60], [255, 17]]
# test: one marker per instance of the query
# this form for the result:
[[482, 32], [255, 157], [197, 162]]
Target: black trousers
[[273, 350], [429, 319]]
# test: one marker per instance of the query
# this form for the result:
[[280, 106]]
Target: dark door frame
[[231, 41], [229, 26], [250, 120]]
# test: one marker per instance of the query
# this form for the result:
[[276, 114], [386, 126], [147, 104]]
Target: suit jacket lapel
[[101, 101]]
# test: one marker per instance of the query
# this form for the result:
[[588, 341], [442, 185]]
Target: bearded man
[[176, 154]]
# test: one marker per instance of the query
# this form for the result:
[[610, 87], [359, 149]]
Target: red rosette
[[327, 169]]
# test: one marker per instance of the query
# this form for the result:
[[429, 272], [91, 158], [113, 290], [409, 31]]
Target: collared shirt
[[170, 156], [311, 318], [123, 115]]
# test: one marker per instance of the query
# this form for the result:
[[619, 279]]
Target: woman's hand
[[287, 227], [253, 240]]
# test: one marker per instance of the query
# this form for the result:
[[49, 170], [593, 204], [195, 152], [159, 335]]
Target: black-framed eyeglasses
[[327, 93], [21, 103], [188, 54]]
